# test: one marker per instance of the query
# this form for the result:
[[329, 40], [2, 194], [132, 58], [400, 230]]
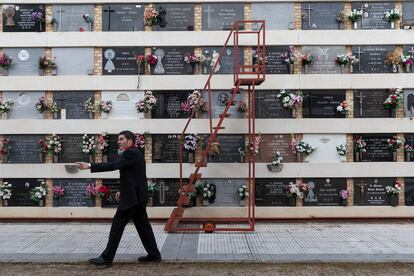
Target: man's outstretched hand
[[82, 165]]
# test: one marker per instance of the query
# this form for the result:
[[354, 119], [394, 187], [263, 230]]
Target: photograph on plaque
[[24, 148], [170, 61], [169, 104], [166, 149], [272, 143], [219, 16], [230, 149], [275, 63], [226, 64], [325, 145], [24, 104], [322, 16], [409, 145], [21, 188], [278, 16], [74, 61], [123, 17], [73, 18], [72, 149], [75, 193], [409, 103], [409, 191], [71, 103], [121, 61], [371, 59], [323, 59], [370, 104], [123, 104], [24, 18], [373, 14], [113, 185], [166, 192], [272, 191], [175, 17], [371, 191], [25, 61], [219, 101], [322, 103], [324, 191], [268, 106], [376, 148]]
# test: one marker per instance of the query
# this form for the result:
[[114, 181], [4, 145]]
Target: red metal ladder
[[244, 75]]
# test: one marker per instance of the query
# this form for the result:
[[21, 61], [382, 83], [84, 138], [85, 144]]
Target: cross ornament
[[362, 185], [361, 100], [109, 11], [162, 188]]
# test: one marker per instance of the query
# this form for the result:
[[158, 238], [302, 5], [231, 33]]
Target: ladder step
[[201, 164], [194, 177], [188, 188], [184, 201], [224, 115], [222, 127]]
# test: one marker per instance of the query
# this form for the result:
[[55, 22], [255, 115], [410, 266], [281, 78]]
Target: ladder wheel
[[209, 226]]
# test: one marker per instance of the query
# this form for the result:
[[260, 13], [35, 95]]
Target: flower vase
[[292, 201], [342, 68], [275, 168], [343, 158], [205, 202], [4, 116], [54, 72], [394, 200], [394, 68], [199, 201], [104, 115], [150, 202], [408, 156], [351, 68], [5, 203], [407, 67], [299, 157], [41, 72], [55, 158], [104, 158], [149, 68], [189, 67], [191, 157], [392, 25], [394, 156], [243, 202], [291, 68], [293, 113], [306, 68], [358, 156], [5, 158], [5, 72], [90, 115], [41, 203], [147, 115], [55, 115], [306, 158], [41, 156], [344, 202], [91, 158], [355, 25]]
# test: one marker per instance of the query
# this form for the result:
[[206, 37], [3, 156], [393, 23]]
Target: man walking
[[132, 198]]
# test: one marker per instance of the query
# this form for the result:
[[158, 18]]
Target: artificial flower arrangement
[[289, 99], [241, 106], [5, 192], [343, 107], [293, 190], [407, 61], [194, 102], [393, 59], [242, 192], [38, 193], [103, 143], [91, 191], [392, 16], [89, 105], [6, 106], [41, 105], [106, 106], [289, 57], [354, 16], [395, 142], [103, 192], [306, 59], [191, 142], [140, 140], [341, 149], [342, 59], [276, 165], [5, 61], [394, 98], [4, 148], [360, 147], [147, 104], [58, 192], [209, 192], [88, 144], [151, 16], [255, 144], [190, 58], [394, 189], [301, 148]]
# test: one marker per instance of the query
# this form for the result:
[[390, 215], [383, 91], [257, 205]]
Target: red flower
[[104, 192]]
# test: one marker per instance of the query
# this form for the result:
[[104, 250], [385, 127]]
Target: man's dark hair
[[128, 135]]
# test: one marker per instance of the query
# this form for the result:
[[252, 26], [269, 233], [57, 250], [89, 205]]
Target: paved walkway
[[281, 242]]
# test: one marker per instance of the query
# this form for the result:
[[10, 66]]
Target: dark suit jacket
[[132, 170]]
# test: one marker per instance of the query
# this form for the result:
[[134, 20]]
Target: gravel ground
[[206, 268]]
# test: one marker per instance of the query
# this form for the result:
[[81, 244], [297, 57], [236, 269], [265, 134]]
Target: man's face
[[123, 142]]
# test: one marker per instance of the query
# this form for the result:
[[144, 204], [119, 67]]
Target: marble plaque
[[69, 18], [226, 64], [123, 103], [231, 149], [278, 16], [275, 64], [72, 149], [166, 192], [24, 148], [25, 60], [21, 191], [325, 145], [373, 14], [218, 104], [322, 103], [24, 104], [177, 17], [18, 18], [377, 148], [369, 104], [267, 105], [371, 191], [120, 60], [272, 191], [219, 16], [171, 61], [169, 104], [227, 191], [75, 193], [73, 103], [123, 17], [166, 149], [271, 143], [324, 191], [324, 58], [408, 12], [372, 59], [74, 61], [321, 16]]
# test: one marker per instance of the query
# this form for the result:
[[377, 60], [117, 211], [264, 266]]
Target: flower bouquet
[[407, 61], [243, 194], [38, 193], [6, 193], [290, 100], [194, 102], [5, 107], [209, 193], [4, 149], [289, 58], [393, 59], [392, 16], [301, 148], [147, 104], [360, 147], [104, 193], [54, 109], [341, 150], [394, 99], [91, 191], [293, 192], [89, 146], [39, 18], [306, 60], [352, 60], [54, 147], [58, 193], [344, 195], [394, 143], [89, 106], [151, 16], [408, 152], [393, 192], [354, 16], [103, 145], [343, 108], [241, 106], [342, 60], [276, 165], [151, 191], [190, 145], [105, 107], [41, 105], [46, 64], [5, 62]]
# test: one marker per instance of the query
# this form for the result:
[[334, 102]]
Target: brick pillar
[[248, 58], [48, 157], [350, 148], [197, 17], [349, 97], [49, 101], [347, 10], [298, 16], [401, 197], [98, 183], [1, 21], [97, 24], [399, 112], [348, 50], [49, 196], [148, 149], [48, 13], [299, 201], [400, 151], [248, 15], [350, 188], [399, 7], [298, 63], [97, 66], [198, 70], [48, 55], [97, 99]]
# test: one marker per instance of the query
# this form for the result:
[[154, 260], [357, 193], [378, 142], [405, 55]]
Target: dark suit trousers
[[139, 216]]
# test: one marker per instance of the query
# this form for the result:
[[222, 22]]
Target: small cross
[[362, 185], [109, 11], [359, 57], [361, 100], [60, 11], [161, 191], [208, 11], [309, 9]]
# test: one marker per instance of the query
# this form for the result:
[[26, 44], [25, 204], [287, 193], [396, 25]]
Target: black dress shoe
[[149, 259], [100, 262]]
